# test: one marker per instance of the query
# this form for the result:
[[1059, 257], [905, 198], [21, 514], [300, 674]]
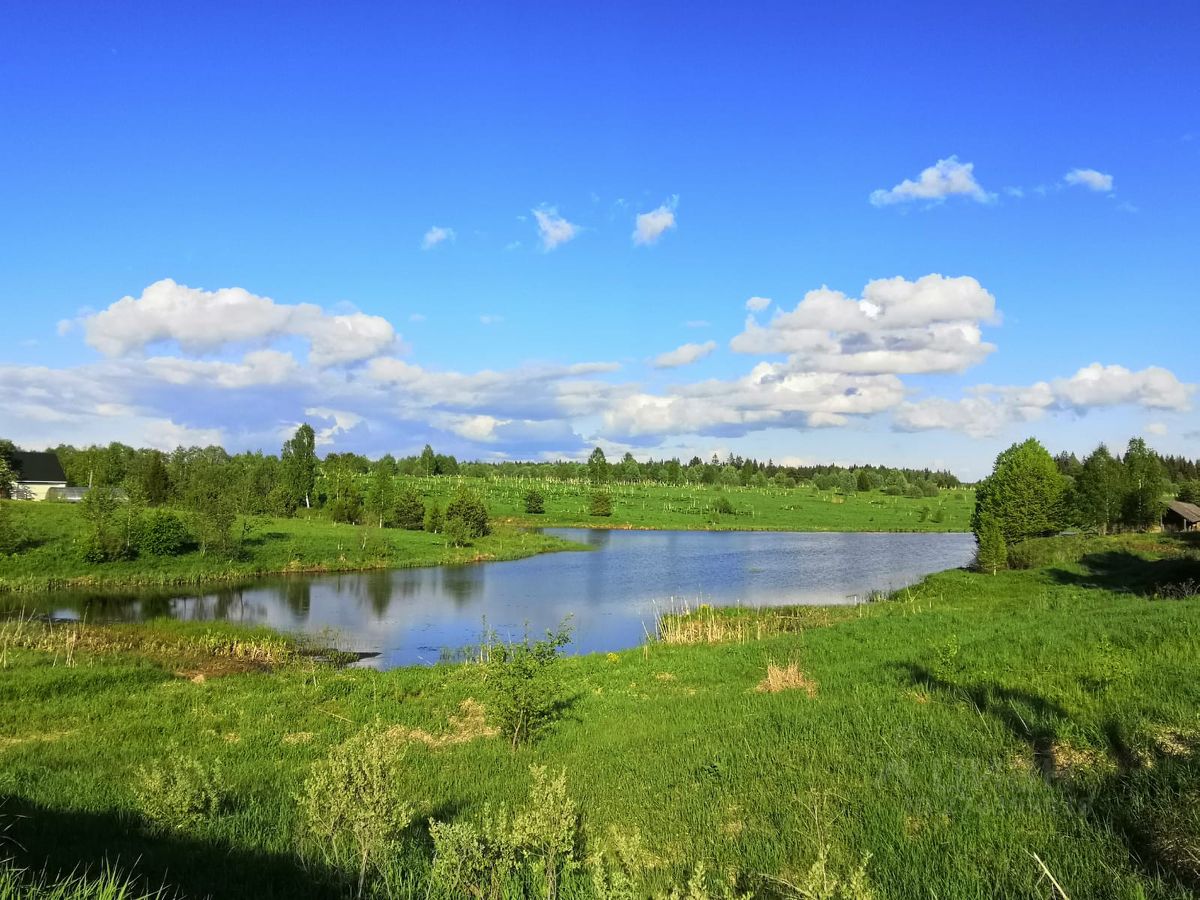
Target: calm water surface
[[612, 593]]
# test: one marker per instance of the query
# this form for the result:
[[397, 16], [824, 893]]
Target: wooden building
[[1180, 516]]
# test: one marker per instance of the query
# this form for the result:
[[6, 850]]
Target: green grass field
[[973, 737], [56, 534], [691, 507]]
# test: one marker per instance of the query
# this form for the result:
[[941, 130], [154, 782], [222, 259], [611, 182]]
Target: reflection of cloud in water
[[611, 593]]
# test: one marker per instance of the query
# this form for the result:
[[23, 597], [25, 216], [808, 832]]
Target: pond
[[612, 594]]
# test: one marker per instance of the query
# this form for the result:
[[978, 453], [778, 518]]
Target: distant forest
[[298, 476]]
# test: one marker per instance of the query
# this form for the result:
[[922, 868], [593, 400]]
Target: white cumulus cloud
[[202, 321], [758, 304], [684, 355], [945, 178], [933, 324], [1090, 179], [650, 226], [553, 229], [436, 235]]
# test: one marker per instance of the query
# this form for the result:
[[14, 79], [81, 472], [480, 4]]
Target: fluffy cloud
[[758, 304], [991, 409], [205, 321], [553, 229], [436, 235], [945, 178], [684, 355], [770, 396], [1090, 179], [650, 226], [932, 324]]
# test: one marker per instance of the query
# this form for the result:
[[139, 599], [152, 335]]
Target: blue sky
[[304, 154]]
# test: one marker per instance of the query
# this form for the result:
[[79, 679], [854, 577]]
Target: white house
[[37, 473]]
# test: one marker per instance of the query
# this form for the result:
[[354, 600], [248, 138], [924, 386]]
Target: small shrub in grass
[[163, 533], [409, 511], [535, 502], [600, 504], [435, 520], [10, 541], [345, 511], [467, 506], [526, 685], [180, 793], [722, 507], [354, 806], [992, 552], [458, 532], [535, 844]]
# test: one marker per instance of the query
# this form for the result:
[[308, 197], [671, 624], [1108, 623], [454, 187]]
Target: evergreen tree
[[409, 512], [991, 554], [1023, 494], [1097, 495], [155, 482], [8, 478], [597, 467], [1144, 483], [300, 464]]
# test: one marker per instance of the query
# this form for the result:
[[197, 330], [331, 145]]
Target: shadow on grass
[[60, 842], [1150, 799], [1128, 572]]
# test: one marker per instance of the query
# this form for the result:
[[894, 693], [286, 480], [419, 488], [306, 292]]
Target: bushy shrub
[[991, 554], [354, 805], [467, 506], [538, 842], [435, 519], [458, 532], [409, 511], [179, 794], [162, 533], [535, 502], [10, 540], [722, 507], [345, 511], [526, 686], [600, 504], [280, 502]]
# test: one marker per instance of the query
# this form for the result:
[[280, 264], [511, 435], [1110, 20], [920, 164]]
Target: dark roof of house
[[1189, 511], [33, 467]]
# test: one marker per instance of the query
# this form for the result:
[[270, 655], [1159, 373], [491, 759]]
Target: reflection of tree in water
[[598, 538], [297, 594], [462, 583], [379, 591]]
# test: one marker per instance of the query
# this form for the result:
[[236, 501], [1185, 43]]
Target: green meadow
[[54, 535], [691, 507], [1030, 734]]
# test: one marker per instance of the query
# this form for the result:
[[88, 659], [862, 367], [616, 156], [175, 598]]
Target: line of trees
[[1031, 494]]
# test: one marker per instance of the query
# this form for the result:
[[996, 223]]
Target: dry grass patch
[[42, 737], [786, 678], [469, 724], [298, 737], [706, 625]]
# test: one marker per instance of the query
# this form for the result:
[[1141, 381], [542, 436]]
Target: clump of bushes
[[345, 511], [354, 806], [180, 794], [468, 508], [10, 540], [600, 504], [538, 842], [722, 507], [527, 689], [409, 510], [162, 533], [535, 502], [435, 519]]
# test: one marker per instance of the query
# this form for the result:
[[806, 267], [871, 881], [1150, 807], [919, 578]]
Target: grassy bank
[[55, 535], [691, 507], [974, 737]]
